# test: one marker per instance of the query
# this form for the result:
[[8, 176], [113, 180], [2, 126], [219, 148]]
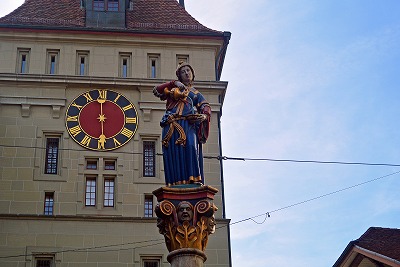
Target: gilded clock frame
[[77, 133]]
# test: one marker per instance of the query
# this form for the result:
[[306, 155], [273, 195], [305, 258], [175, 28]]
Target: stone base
[[187, 257]]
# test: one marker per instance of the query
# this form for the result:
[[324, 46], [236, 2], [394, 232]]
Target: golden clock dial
[[101, 120]]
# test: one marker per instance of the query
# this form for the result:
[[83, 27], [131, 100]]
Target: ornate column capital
[[186, 216]]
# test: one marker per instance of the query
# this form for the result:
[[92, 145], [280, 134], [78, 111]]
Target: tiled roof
[[385, 241], [66, 13], [161, 15], [146, 15]]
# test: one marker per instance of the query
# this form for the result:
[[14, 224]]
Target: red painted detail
[[90, 123]]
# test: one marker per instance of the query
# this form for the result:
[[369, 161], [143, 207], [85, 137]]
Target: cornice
[[100, 82], [27, 101]]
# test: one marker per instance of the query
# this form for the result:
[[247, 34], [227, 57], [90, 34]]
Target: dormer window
[[112, 5], [98, 5], [105, 5]]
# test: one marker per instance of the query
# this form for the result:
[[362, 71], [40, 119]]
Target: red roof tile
[[385, 241], [165, 16], [47, 13], [162, 15]]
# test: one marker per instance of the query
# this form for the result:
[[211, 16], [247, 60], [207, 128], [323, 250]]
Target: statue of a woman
[[185, 128]]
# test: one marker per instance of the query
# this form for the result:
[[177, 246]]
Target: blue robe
[[183, 138]]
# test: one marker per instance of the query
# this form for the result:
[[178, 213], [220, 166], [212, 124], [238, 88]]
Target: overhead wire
[[219, 157], [268, 213]]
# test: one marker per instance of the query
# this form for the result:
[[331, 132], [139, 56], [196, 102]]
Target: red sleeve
[[160, 88]]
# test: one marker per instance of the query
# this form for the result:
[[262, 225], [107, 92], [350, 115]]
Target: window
[[52, 61], [51, 155], [22, 60], [109, 192], [90, 195], [148, 206], [182, 58], [91, 164], [125, 65], [109, 165], [112, 5], [151, 263], [98, 5], [149, 158], [48, 203], [154, 66], [82, 63], [44, 262]]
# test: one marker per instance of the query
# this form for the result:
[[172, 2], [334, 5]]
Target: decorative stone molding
[[186, 216], [27, 101]]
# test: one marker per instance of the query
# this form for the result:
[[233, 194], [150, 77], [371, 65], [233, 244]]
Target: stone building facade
[[65, 200]]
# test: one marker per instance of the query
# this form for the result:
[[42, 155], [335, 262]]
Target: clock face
[[101, 120]]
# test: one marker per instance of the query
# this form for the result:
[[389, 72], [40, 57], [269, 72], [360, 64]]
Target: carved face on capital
[[186, 75], [185, 212], [211, 225]]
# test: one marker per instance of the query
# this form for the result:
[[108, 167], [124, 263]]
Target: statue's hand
[[180, 85]]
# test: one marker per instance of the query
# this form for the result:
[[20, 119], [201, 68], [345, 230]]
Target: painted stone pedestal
[[186, 219]]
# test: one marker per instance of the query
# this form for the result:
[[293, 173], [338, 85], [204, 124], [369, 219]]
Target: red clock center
[[113, 120]]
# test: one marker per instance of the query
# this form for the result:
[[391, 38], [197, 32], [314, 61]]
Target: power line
[[305, 161], [267, 214], [232, 158]]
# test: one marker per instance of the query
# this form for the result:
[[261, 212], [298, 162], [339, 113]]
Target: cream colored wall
[[104, 53], [34, 105]]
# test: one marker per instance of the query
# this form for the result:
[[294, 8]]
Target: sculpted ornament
[[185, 225], [185, 128]]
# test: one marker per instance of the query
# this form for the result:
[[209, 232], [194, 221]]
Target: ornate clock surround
[[101, 120]]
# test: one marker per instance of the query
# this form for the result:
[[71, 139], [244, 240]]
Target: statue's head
[[185, 212], [185, 73]]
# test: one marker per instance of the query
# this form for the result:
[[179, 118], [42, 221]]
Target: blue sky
[[308, 80]]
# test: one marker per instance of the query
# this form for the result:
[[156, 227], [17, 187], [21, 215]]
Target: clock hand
[[101, 118]]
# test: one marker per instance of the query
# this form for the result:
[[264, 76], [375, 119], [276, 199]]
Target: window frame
[[125, 70], [52, 66], [44, 258], [79, 56], [99, 5], [48, 203], [149, 159], [148, 206], [51, 157], [113, 5], [154, 70], [90, 163], [109, 196], [90, 195], [106, 5], [108, 166], [22, 66], [147, 260]]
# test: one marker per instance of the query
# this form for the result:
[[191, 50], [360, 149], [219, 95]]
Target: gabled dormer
[[106, 13]]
